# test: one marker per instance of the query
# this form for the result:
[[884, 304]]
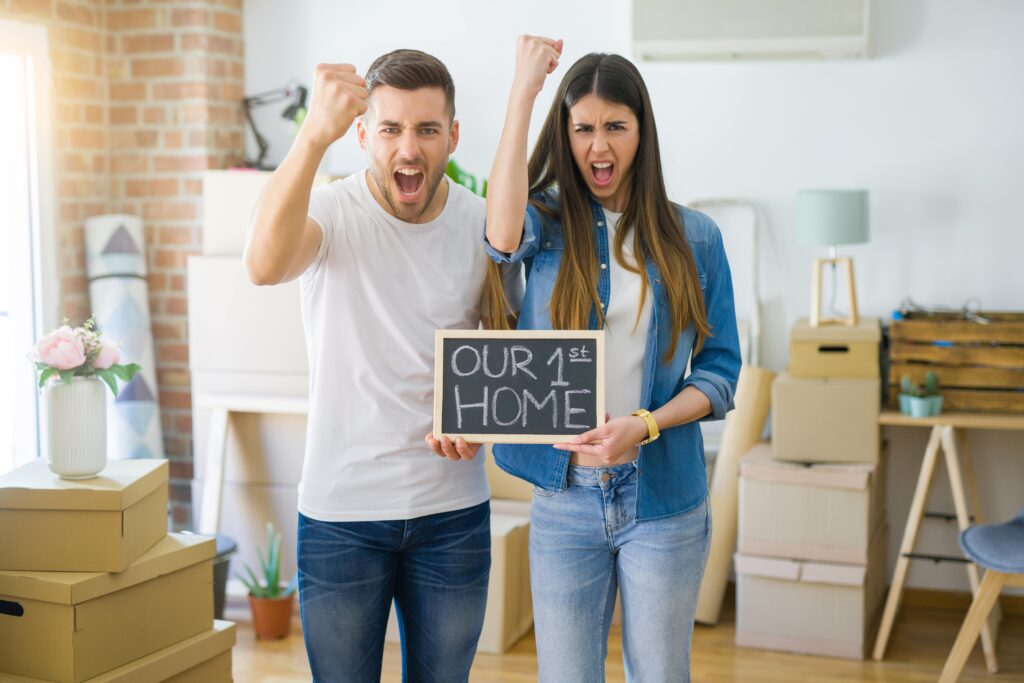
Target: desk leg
[[972, 485], [956, 483], [213, 476], [899, 577]]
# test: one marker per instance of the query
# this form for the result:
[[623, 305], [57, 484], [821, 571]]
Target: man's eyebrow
[[421, 124]]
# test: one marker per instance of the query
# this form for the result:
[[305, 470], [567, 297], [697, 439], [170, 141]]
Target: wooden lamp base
[[816, 317]]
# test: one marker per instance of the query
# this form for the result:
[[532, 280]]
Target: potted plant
[[73, 364], [906, 391], [931, 390], [920, 404], [270, 602]]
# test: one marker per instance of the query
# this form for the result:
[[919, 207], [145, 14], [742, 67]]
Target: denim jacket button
[[547, 244], [603, 266], [600, 224]]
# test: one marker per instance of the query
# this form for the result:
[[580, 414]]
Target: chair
[[999, 549]]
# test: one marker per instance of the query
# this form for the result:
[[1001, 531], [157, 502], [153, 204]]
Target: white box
[[823, 512], [229, 198], [236, 326], [810, 607]]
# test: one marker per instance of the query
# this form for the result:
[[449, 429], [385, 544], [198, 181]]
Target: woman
[[622, 507]]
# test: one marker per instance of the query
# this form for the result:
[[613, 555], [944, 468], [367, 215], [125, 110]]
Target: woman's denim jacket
[[672, 475]]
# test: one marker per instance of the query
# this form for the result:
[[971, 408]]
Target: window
[[23, 61]]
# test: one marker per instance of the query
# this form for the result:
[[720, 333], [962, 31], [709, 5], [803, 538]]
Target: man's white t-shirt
[[371, 302]]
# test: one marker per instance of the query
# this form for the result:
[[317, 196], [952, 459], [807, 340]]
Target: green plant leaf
[[259, 591], [40, 365], [108, 377], [66, 376], [291, 587], [264, 567], [248, 584], [45, 375], [125, 372], [275, 562]]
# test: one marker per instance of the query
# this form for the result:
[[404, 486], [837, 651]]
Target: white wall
[[931, 125]]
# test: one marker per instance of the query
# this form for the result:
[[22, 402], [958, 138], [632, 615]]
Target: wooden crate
[[980, 366]]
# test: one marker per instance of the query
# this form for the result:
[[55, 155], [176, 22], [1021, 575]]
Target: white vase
[[77, 427]]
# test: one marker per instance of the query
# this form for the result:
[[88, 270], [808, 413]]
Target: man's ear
[[361, 132], [453, 137]]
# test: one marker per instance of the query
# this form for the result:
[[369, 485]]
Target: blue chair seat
[[996, 546]]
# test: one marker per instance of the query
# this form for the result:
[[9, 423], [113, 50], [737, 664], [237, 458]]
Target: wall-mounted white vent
[[688, 30]]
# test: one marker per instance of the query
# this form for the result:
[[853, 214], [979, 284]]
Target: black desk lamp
[[294, 112]]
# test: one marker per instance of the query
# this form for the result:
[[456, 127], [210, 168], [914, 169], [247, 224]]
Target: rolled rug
[[115, 262]]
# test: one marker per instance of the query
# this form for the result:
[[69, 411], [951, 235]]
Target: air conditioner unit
[[689, 30]]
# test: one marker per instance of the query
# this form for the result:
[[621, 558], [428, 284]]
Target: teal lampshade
[[829, 217]]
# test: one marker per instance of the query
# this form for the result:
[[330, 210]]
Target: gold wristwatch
[[652, 427]]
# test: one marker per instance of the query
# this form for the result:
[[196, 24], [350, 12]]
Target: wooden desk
[[947, 434]]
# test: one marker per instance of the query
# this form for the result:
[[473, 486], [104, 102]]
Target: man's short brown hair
[[412, 70]]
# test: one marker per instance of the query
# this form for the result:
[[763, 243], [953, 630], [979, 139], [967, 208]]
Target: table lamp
[[830, 218]]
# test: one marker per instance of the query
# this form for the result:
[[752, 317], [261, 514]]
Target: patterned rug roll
[[116, 266]]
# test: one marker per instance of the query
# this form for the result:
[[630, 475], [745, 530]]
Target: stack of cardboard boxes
[[93, 588], [811, 560]]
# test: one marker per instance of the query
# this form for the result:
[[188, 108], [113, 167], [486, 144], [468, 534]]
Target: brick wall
[[79, 129], [146, 97]]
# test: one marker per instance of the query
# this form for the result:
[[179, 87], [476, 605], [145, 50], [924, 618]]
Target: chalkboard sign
[[527, 386]]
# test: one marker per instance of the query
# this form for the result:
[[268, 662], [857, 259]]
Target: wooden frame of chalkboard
[[593, 342]]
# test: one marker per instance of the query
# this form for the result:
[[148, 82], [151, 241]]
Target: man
[[384, 257]]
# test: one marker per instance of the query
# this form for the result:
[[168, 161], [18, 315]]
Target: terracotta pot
[[271, 617]]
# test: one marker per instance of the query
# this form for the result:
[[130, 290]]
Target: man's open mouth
[[409, 182]]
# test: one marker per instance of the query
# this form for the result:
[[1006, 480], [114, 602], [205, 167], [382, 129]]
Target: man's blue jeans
[[435, 568], [585, 544]]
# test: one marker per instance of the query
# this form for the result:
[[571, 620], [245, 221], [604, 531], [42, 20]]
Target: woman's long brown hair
[[657, 231]]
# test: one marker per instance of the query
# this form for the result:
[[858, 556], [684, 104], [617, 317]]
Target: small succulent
[[270, 564], [931, 384]]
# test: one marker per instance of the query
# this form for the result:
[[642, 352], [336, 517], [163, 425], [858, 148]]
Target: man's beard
[[403, 211]]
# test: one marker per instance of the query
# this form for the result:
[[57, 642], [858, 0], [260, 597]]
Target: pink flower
[[108, 355], [61, 349]]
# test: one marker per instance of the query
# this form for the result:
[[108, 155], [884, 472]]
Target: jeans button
[[605, 477]]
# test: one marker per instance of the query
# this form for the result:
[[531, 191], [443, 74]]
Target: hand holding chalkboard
[[518, 386], [456, 450]]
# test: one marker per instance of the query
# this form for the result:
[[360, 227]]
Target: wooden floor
[[921, 639]]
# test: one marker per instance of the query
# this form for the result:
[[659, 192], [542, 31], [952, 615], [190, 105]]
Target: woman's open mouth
[[602, 172], [409, 182]]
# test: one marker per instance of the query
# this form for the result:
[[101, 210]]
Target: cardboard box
[[504, 486], [101, 524], [825, 513], [825, 420], [205, 658], [835, 350], [810, 607], [509, 612], [69, 627]]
